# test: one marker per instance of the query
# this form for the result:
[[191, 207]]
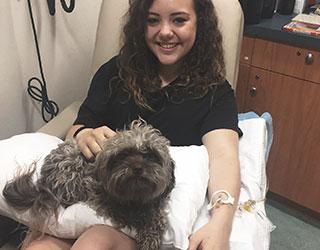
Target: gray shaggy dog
[[129, 182]]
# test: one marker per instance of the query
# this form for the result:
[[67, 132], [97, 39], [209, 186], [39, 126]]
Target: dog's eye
[[151, 157]]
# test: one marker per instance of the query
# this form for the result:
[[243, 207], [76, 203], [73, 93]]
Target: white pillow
[[19, 152], [186, 210]]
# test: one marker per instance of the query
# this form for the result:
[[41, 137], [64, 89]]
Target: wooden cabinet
[[280, 80]]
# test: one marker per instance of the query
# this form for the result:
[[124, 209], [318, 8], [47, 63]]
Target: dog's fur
[[129, 182]]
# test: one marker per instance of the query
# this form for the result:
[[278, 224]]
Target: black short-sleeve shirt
[[183, 122]]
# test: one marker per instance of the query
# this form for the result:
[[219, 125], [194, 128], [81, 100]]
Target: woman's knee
[[103, 237], [48, 242]]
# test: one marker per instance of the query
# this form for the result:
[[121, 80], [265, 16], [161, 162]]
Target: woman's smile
[[168, 48], [168, 45]]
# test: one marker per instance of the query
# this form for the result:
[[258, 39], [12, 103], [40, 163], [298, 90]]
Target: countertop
[[271, 29]]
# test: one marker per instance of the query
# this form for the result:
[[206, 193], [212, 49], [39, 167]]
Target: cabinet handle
[[309, 58], [253, 91]]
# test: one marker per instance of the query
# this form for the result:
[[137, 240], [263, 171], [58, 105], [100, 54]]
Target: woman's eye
[[152, 21], [179, 20]]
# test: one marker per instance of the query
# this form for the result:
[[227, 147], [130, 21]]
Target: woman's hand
[[212, 236], [90, 141]]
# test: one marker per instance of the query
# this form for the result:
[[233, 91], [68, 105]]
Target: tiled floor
[[293, 233]]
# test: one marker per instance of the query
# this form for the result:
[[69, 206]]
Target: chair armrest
[[60, 124]]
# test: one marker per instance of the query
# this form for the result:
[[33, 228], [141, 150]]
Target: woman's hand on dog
[[90, 140]]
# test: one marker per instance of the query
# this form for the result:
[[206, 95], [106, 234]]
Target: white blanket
[[187, 207]]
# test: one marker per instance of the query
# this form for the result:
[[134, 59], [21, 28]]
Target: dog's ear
[[100, 165], [171, 182]]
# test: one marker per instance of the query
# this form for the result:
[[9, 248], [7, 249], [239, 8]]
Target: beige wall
[[66, 43]]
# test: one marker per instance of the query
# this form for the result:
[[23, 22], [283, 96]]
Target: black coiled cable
[[39, 93], [38, 90]]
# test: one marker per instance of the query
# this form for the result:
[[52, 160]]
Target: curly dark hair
[[202, 68]]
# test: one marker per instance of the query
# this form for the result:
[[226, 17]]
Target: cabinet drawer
[[296, 62], [287, 60]]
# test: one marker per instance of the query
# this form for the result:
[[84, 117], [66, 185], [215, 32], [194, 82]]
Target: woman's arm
[[92, 112], [72, 130], [224, 171]]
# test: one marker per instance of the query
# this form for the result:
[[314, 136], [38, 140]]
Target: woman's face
[[171, 30]]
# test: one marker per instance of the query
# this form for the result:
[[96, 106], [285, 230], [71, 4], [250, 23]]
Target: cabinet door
[[256, 91], [294, 162]]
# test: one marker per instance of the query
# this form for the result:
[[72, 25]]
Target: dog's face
[[135, 165]]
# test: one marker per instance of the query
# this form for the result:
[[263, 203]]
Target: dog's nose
[[137, 170]]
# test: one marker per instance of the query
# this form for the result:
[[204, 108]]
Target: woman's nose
[[165, 30]]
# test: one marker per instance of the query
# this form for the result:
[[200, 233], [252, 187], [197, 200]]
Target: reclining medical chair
[[107, 45]]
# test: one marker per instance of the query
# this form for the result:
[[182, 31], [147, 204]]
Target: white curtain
[[66, 43]]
